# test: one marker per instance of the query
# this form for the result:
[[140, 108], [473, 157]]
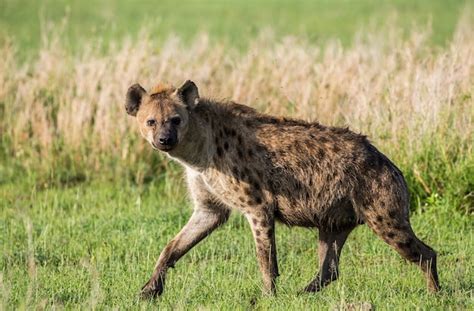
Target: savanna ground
[[86, 206]]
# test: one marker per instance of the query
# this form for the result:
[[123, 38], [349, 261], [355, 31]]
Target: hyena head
[[163, 114]]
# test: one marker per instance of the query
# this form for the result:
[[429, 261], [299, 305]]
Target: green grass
[[235, 21], [95, 244]]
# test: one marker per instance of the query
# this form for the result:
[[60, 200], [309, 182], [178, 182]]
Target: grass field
[[86, 206], [95, 244], [232, 21]]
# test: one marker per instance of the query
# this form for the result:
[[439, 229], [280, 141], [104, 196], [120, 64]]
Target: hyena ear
[[134, 98], [188, 93]]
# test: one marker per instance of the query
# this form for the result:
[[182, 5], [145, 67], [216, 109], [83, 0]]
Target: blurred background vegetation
[[234, 21]]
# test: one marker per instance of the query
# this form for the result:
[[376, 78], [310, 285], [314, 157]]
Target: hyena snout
[[167, 139]]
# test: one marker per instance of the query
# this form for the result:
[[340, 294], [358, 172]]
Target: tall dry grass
[[64, 113]]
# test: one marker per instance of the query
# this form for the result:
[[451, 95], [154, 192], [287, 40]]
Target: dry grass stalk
[[396, 90]]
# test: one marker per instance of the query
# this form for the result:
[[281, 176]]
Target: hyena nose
[[164, 141]]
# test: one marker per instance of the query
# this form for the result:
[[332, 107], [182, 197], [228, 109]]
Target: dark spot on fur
[[246, 173], [307, 195], [255, 184], [239, 153], [258, 200], [235, 171], [233, 132], [239, 139], [369, 200], [392, 214], [302, 163], [260, 149], [208, 202], [254, 220], [321, 153], [257, 232], [399, 227], [242, 199], [323, 139], [250, 153], [379, 218], [262, 249], [406, 244], [226, 146], [390, 235], [219, 151]]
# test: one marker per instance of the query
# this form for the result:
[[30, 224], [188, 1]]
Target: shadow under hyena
[[269, 168]]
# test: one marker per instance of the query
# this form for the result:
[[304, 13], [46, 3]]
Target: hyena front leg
[[263, 229], [203, 221]]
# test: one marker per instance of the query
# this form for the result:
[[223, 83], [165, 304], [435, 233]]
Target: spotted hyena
[[271, 168]]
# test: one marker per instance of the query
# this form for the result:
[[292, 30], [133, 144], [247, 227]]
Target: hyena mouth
[[162, 147]]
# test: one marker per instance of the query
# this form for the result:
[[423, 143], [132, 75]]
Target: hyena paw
[[313, 287], [151, 290]]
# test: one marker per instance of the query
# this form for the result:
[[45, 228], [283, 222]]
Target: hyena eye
[[150, 122], [176, 120]]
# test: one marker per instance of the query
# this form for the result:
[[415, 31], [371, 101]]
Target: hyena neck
[[193, 151], [212, 130]]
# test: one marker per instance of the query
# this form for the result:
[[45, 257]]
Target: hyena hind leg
[[397, 232], [329, 251]]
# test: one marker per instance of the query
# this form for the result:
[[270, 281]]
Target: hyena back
[[299, 173]]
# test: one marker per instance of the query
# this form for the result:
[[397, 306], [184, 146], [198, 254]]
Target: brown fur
[[279, 169]]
